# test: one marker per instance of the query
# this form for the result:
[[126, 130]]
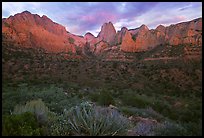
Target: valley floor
[[140, 98]]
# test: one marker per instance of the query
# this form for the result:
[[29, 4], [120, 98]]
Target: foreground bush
[[20, 125], [135, 100], [87, 119], [170, 129], [37, 107], [57, 125], [105, 99]]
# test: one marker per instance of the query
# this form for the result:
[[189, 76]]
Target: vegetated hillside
[[158, 95]]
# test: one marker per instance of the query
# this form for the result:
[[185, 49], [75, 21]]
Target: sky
[[82, 17]]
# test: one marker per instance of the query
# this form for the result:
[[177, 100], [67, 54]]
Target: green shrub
[[57, 125], [170, 129], [146, 113], [162, 107], [71, 40], [94, 97], [20, 125], [87, 119], [105, 99], [35, 106], [193, 128], [6, 24], [135, 100]]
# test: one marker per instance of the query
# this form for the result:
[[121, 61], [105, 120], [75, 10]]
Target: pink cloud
[[99, 17], [180, 18]]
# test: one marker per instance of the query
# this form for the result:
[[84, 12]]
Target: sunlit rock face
[[185, 33], [107, 33], [31, 30], [128, 44], [145, 39], [141, 40]]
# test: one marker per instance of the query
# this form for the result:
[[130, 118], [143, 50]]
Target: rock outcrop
[[107, 33], [100, 47], [128, 44], [120, 34]]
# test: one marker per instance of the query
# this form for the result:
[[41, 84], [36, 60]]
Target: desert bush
[[161, 107], [145, 112], [6, 24], [193, 128], [135, 100], [57, 125], [134, 38], [24, 124], [94, 97], [87, 119], [71, 40], [169, 128], [37, 107], [105, 98]]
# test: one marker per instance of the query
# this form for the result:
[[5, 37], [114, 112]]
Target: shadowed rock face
[[120, 34], [107, 33], [31, 30]]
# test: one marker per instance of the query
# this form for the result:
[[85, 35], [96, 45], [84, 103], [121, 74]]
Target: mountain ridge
[[30, 30]]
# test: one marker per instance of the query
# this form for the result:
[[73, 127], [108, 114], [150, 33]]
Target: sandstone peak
[[143, 27], [31, 30], [107, 33], [47, 19], [160, 28], [128, 44], [89, 34], [89, 37], [142, 30], [107, 25], [26, 12], [124, 29]]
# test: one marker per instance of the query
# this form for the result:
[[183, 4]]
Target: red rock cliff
[[31, 30]]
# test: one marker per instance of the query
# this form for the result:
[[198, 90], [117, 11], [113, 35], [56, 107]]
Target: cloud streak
[[81, 17]]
